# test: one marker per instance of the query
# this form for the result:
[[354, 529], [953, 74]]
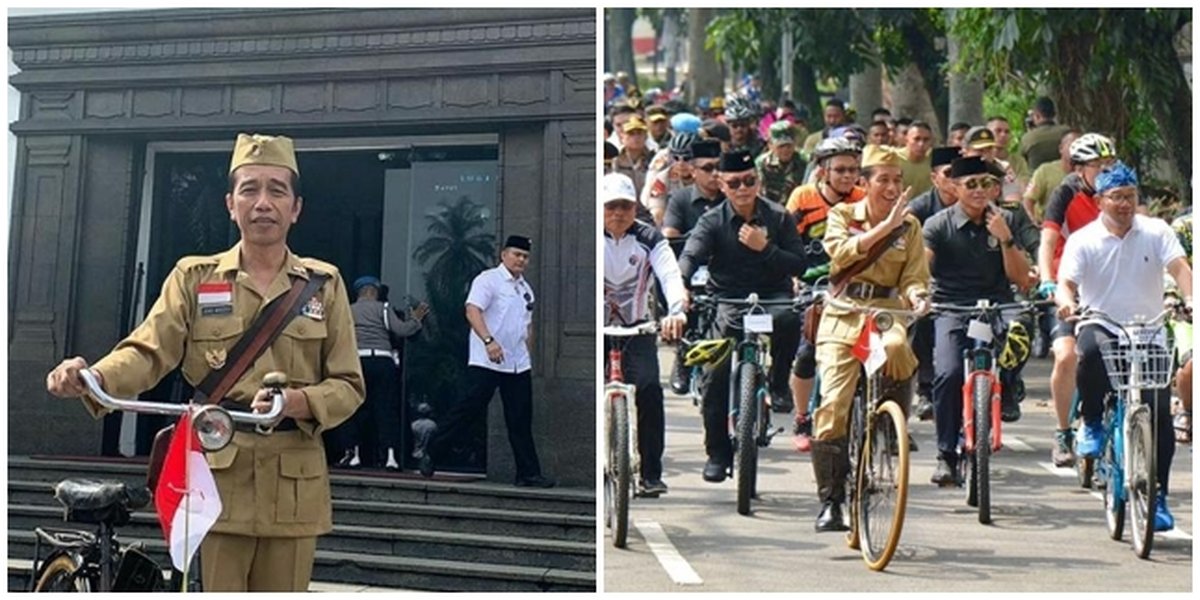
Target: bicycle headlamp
[[213, 426], [884, 322]]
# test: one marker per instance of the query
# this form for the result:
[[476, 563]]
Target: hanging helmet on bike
[[836, 146], [1016, 346], [708, 352], [1092, 146], [740, 108]]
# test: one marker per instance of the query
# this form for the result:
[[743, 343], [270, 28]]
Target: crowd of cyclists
[[742, 191]]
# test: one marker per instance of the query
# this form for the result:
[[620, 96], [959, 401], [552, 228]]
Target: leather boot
[[831, 464]]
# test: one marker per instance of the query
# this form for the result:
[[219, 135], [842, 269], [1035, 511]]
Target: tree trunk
[[928, 61], [806, 93], [768, 60], [966, 92], [910, 98], [866, 93], [704, 74], [670, 41], [621, 47], [1170, 99]]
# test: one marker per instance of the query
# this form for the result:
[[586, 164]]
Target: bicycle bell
[[884, 321], [213, 426]]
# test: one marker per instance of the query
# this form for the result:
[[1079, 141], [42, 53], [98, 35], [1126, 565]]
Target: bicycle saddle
[[96, 501]]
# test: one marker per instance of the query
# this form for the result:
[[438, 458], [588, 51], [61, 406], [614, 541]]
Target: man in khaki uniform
[[899, 279], [274, 488]]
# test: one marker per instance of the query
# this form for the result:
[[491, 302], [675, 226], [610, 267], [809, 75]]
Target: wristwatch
[[487, 340]]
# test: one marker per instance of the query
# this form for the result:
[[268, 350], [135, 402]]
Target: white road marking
[[1060, 471], [1015, 443], [675, 565]]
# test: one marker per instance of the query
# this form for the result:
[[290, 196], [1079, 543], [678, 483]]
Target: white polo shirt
[[506, 302], [1121, 276]]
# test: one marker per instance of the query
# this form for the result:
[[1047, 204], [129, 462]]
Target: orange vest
[[811, 209]]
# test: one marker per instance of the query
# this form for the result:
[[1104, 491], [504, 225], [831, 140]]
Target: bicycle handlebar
[[1095, 316], [162, 408], [984, 306], [852, 307], [642, 329]]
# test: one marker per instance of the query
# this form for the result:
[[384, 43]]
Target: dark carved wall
[[96, 88]]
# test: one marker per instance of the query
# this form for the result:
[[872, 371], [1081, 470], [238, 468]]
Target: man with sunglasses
[[751, 246], [898, 279], [1072, 206], [740, 117], [837, 170], [633, 253], [500, 314], [1116, 264], [684, 208], [975, 251]]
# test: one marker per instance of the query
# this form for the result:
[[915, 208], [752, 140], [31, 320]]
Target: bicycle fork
[[983, 368]]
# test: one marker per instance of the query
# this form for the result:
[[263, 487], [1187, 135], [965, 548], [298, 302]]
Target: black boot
[[831, 464]]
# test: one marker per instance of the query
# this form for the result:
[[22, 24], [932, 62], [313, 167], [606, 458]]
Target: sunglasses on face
[[748, 181], [982, 183]]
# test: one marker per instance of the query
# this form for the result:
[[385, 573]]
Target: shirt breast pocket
[[300, 350], [211, 340]]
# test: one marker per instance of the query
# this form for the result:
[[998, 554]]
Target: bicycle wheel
[[746, 451], [1142, 479], [1110, 474], [982, 402], [856, 434], [619, 465], [60, 573], [883, 485]]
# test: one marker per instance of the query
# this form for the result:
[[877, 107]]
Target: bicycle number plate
[[700, 277], [757, 323], [979, 330]]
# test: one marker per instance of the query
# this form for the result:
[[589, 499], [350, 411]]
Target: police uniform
[[274, 488], [627, 164], [779, 179], [899, 271]]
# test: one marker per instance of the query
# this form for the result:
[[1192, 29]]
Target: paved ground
[[1048, 534]]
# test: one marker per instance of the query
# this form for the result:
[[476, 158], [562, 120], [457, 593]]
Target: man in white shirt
[[634, 250], [1115, 264], [500, 312]]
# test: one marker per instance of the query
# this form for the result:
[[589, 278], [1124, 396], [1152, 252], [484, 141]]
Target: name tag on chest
[[215, 298]]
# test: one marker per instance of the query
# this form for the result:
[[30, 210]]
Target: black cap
[[610, 151], [736, 161], [706, 149], [968, 165], [716, 129], [944, 155], [519, 242]]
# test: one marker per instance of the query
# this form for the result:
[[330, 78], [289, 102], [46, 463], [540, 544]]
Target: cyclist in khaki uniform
[[274, 488], [898, 279]]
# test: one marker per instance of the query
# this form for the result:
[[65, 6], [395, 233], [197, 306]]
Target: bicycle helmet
[[738, 108], [1116, 176], [680, 145], [685, 122], [836, 146], [1092, 146], [1016, 346], [708, 352]]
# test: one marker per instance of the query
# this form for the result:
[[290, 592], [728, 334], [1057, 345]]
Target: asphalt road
[[1048, 534]]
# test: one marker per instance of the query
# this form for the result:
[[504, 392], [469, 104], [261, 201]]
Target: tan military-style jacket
[[903, 266], [275, 485]]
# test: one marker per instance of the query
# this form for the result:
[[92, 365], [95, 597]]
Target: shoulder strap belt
[[838, 282], [262, 333]]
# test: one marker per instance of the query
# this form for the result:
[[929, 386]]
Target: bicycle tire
[[878, 478], [856, 434], [982, 402], [1114, 507], [746, 451], [58, 575], [622, 468], [1142, 480]]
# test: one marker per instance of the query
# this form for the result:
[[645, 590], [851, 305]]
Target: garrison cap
[[706, 148], [944, 155], [875, 154], [736, 161], [256, 149], [519, 242], [969, 165]]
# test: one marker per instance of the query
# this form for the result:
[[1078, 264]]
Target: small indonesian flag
[[214, 293], [868, 349], [186, 497]]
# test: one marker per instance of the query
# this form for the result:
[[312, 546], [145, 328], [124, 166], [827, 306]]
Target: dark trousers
[[785, 337], [639, 366], [950, 339], [375, 426], [516, 392], [921, 338], [1091, 379]]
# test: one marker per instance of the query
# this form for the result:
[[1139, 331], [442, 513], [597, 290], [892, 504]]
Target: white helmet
[[1092, 146]]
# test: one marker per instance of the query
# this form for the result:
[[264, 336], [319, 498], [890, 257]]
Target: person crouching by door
[[379, 332]]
